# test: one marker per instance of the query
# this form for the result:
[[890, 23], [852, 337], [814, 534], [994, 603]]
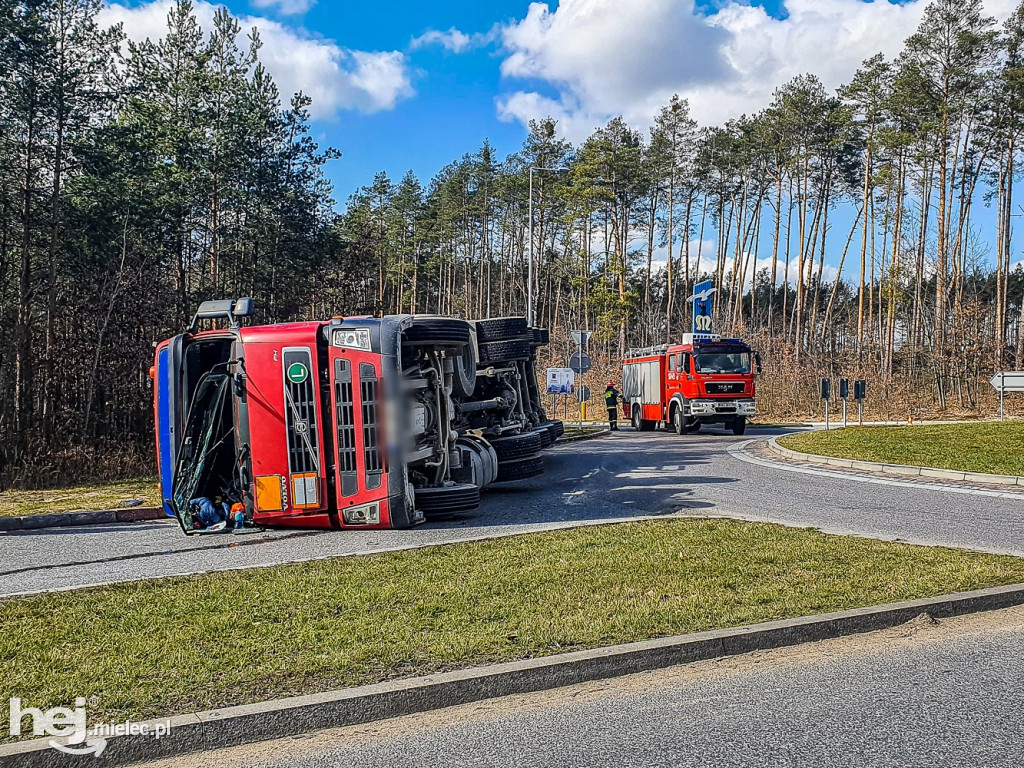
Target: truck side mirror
[[757, 363]]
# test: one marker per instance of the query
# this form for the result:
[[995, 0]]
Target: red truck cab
[[704, 380]]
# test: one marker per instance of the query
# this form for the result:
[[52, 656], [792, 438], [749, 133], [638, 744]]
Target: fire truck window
[[672, 363], [679, 362], [723, 362]]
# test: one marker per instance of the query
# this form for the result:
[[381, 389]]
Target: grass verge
[[981, 447], [176, 645], [78, 498]]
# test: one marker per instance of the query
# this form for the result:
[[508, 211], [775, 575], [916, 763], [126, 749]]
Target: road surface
[[924, 694], [623, 476]]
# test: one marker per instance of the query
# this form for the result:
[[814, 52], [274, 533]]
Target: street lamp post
[[529, 263]]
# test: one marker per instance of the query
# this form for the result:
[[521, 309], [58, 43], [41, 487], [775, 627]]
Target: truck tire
[[448, 499], [516, 446], [438, 332], [546, 439], [504, 351], [556, 428], [540, 336], [640, 425], [739, 425], [678, 420], [502, 329], [520, 469], [464, 373]]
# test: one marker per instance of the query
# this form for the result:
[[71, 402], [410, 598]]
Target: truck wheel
[[541, 336], [504, 351], [517, 446], [438, 332], [739, 425], [502, 328], [464, 373], [520, 469], [545, 436], [679, 421], [556, 428], [634, 417], [448, 499]]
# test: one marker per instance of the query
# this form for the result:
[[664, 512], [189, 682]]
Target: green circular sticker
[[297, 373]]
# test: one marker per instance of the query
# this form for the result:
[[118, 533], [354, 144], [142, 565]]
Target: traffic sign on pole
[[581, 338], [580, 362], [583, 393]]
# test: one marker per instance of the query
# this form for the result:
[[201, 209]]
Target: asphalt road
[[925, 694], [623, 476]]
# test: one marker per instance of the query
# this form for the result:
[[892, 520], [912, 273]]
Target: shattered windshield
[[722, 362], [203, 434]]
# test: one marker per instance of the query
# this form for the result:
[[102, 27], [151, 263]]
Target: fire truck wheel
[[679, 421], [460, 497], [504, 351], [540, 336], [640, 425], [517, 446], [438, 332], [739, 425], [502, 329], [520, 469], [464, 374]]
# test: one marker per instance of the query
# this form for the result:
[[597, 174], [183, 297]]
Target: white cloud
[[608, 57], [285, 7], [455, 40], [336, 78]]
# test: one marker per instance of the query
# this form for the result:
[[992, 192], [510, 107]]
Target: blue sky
[[414, 85]]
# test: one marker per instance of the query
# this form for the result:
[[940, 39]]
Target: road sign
[[702, 306], [825, 389], [860, 389], [844, 388], [580, 362], [583, 393], [1008, 381], [560, 381], [581, 338]]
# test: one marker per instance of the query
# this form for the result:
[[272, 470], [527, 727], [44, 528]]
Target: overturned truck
[[355, 422]]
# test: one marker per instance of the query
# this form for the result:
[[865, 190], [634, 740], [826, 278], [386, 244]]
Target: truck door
[[168, 413]]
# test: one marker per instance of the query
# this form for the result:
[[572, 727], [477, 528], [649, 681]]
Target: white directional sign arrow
[[1008, 381]]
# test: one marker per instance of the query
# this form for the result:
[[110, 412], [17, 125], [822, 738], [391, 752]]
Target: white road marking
[[737, 452]]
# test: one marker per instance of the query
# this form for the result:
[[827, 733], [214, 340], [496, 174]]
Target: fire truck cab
[[704, 380], [355, 422]]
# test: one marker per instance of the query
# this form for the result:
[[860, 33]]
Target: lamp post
[[529, 263]]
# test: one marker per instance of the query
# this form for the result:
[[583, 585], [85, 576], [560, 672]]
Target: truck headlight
[[368, 514], [352, 338]]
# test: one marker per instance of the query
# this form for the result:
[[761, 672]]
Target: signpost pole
[[826, 415], [860, 412], [1002, 388], [844, 411], [580, 413]]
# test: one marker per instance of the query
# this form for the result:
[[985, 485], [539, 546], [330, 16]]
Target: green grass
[[980, 447], [175, 645], [79, 498]]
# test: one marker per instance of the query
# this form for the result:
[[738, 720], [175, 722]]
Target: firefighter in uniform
[[611, 401]]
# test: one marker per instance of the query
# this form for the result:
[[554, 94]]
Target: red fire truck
[[704, 380], [355, 422]]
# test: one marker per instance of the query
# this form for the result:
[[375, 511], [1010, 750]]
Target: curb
[[280, 718], [897, 469], [578, 438], [71, 519]]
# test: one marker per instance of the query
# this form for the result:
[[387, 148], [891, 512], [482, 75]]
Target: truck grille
[[345, 415], [372, 455], [300, 411], [724, 388]]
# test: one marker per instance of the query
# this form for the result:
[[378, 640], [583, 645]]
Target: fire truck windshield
[[722, 362]]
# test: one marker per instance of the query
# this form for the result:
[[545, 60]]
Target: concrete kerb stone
[[279, 718], [71, 519], [896, 469]]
